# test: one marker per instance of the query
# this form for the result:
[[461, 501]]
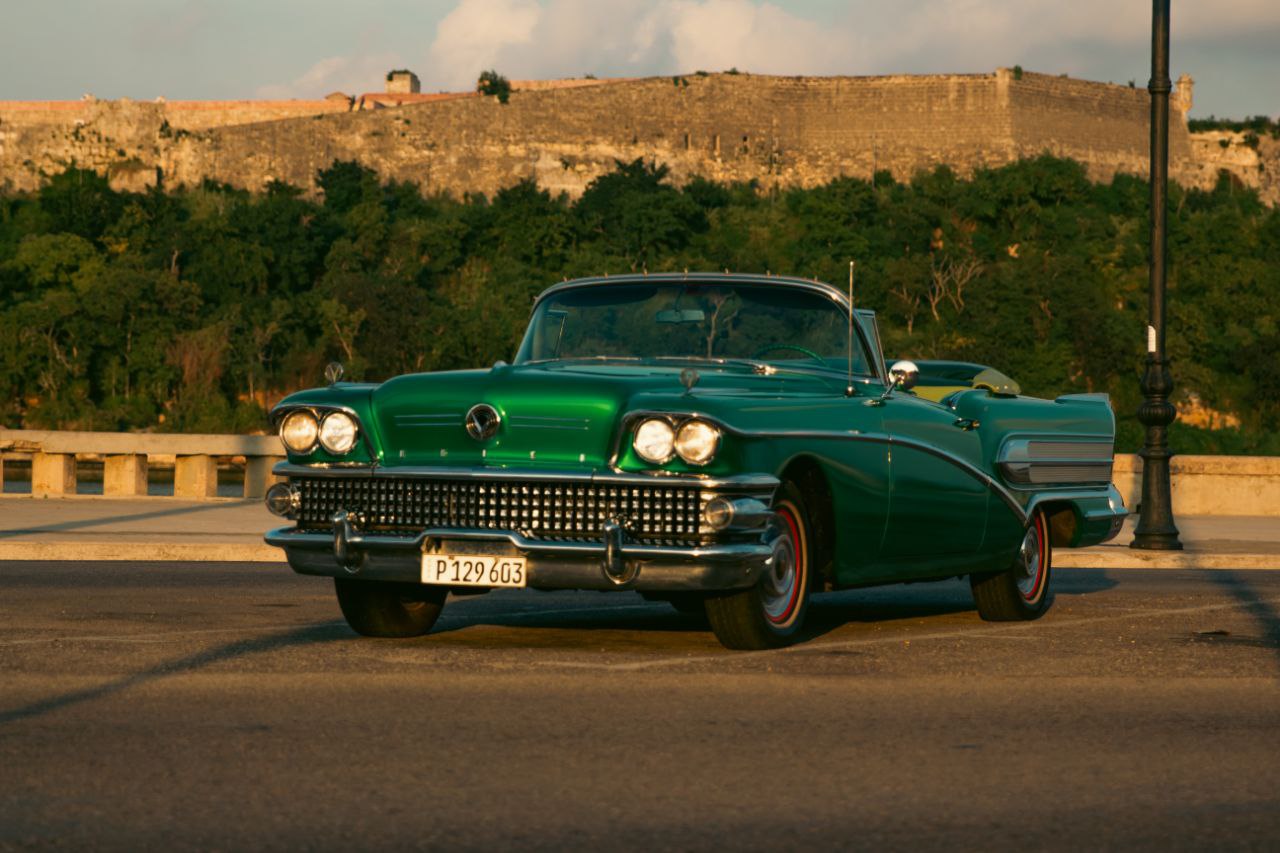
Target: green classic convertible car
[[731, 444]]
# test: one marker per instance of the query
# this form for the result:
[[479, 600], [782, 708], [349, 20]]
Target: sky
[[231, 49]]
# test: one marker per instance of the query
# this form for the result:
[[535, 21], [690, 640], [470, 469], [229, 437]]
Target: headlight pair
[[335, 431], [696, 441]]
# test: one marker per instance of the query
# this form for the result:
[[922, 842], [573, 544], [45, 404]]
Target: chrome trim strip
[[535, 422], [969, 468], [1061, 447], [1048, 459], [1055, 472], [284, 537], [877, 438], [736, 482], [883, 438]]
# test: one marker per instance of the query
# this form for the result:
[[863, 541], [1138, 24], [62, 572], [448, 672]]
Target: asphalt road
[[222, 706]]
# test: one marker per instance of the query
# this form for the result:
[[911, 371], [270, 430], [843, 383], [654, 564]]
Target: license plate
[[473, 570]]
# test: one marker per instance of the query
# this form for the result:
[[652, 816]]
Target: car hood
[[557, 415]]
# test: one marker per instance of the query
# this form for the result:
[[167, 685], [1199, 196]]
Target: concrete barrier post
[[125, 476], [195, 477], [257, 475], [53, 474]]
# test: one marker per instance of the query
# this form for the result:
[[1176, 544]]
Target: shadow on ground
[[322, 632], [1265, 614]]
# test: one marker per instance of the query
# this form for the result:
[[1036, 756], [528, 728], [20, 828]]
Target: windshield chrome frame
[[841, 301]]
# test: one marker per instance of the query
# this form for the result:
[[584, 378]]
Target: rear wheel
[[388, 609], [771, 613], [1022, 592]]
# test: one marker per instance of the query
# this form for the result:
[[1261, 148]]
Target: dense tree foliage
[[195, 309]]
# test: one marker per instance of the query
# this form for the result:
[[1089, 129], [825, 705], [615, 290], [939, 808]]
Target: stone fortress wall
[[778, 131]]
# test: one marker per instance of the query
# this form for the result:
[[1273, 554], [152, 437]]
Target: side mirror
[[903, 375]]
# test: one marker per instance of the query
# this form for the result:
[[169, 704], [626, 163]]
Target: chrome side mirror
[[903, 375]]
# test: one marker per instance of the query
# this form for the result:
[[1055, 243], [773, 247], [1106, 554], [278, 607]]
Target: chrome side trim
[[895, 441], [293, 469], [1055, 459], [969, 468], [737, 482], [533, 422]]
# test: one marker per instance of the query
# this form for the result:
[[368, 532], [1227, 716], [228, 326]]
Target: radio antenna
[[848, 389]]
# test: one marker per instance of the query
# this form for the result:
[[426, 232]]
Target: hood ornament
[[688, 378], [482, 421], [333, 372]]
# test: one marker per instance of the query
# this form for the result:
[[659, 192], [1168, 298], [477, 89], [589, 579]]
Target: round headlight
[[298, 431], [338, 433], [655, 441], [697, 442]]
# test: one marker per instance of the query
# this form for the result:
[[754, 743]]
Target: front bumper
[[345, 500], [550, 565]]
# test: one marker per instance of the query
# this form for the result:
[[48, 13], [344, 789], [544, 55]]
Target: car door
[[938, 502]]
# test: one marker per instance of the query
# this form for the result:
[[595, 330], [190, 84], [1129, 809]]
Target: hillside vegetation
[[195, 309]]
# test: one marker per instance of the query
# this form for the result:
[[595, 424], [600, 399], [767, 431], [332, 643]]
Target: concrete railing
[[127, 456], [1209, 485], [1202, 485]]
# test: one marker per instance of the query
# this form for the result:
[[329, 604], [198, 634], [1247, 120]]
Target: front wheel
[[389, 609], [1021, 592], [771, 613]]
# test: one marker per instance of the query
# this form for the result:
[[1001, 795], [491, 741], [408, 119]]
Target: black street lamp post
[[1155, 529]]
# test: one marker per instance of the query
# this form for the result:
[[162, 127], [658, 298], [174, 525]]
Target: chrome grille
[[541, 509]]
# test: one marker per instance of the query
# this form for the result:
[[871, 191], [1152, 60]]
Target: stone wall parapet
[[777, 131]]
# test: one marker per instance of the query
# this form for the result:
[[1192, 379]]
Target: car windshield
[[694, 320]]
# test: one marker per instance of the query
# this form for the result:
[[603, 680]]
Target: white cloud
[[352, 75], [568, 38], [475, 35], [1093, 39], [721, 34]]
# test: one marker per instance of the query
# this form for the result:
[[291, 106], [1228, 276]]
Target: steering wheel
[[792, 347]]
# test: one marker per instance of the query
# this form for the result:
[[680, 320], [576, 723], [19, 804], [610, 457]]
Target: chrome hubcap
[[780, 580], [1029, 556]]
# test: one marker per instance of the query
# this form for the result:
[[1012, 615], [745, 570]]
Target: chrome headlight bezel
[[697, 441], [309, 435], [339, 433], [654, 441]]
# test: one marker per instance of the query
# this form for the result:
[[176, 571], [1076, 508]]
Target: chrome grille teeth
[[670, 514]]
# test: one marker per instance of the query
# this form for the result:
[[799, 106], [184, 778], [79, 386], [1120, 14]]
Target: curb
[[141, 552], [1132, 558]]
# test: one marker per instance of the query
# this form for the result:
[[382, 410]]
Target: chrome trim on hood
[[736, 482]]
